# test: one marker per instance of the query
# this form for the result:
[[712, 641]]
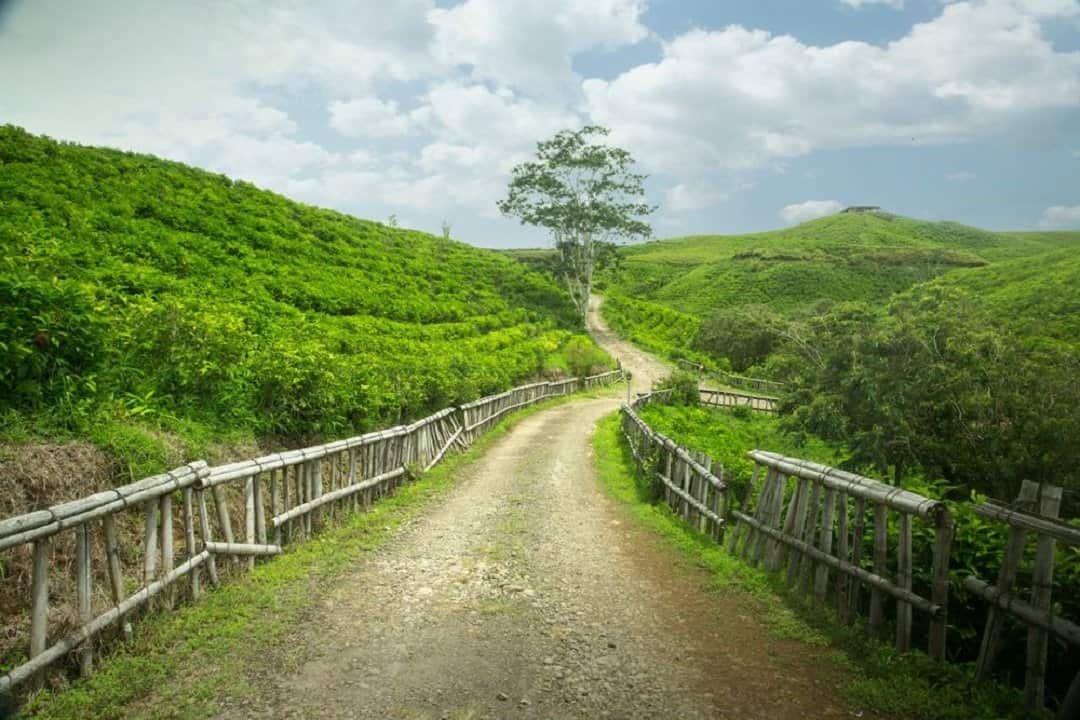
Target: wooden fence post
[[189, 541], [881, 549], [821, 580], [1010, 563], [943, 536], [39, 598], [167, 556], [112, 564], [84, 591], [1041, 586], [903, 579]]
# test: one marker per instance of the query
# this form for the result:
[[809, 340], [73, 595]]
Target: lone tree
[[585, 194]]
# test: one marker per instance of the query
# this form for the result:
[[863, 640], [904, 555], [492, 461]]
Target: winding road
[[527, 592]]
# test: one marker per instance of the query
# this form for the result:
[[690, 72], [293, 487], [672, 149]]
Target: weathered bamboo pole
[[84, 592], [276, 477], [1041, 588], [207, 536], [843, 551], [881, 541], [812, 516], [47, 657], [189, 541], [249, 517], [150, 549], [39, 597], [903, 579], [797, 529], [260, 510], [859, 533], [241, 549], [825, 539], [1010, 563], [869, 578], [112, 564], [1048, 621], [939, 593], [167, 554]]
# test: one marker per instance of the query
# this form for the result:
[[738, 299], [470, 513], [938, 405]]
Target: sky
[[746, 116]]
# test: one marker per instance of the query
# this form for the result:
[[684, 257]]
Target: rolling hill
[[698, 295], [147, 303]]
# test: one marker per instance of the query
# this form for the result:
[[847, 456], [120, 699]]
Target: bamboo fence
[[286, 499], [728, 398], [820, 536], [733, 380], [1035, 511], [691, 488]]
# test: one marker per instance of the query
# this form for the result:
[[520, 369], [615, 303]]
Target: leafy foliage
[[586, 195], [729, 282], [154, 295], [726, 435]]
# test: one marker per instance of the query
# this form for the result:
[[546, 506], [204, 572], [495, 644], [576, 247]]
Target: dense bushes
[[150, 295]]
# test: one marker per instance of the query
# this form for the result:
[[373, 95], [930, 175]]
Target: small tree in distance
[[586, 195]]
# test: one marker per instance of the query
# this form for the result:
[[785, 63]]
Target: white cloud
[[960, 176], [1060, 217], [857, 4], [530, 45], [809, 210], [682, 197], [369, 117], [740, 98]]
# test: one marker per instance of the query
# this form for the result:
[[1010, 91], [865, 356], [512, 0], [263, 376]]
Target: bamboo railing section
[[690, 487], [287, 497], [809, 521], [729, 398], [737, 381], [1034, 512]]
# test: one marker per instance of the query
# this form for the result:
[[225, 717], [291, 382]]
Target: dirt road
[[527, 593]]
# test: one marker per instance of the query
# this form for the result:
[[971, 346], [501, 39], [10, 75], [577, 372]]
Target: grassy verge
[[181, 664], [881, 681]]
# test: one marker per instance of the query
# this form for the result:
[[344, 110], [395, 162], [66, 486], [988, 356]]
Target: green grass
[[907, 686], [663, 291], [181, 664], [144, 297], [727, 435]]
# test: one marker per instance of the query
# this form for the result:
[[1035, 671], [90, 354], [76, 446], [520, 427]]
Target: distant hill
[[143, 296], [666, 290], [1035, 298]]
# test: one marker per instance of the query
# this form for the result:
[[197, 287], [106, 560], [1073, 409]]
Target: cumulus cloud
[[683, 197], [1060, 217], [809, 210], [369, 117], [529, 44], [428, 106], [740, 98]]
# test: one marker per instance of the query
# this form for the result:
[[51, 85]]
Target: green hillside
[[143, 296], [723, 286]]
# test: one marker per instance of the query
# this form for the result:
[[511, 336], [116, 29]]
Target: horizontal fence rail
[[285, 498], [728, 398], [738, 381]]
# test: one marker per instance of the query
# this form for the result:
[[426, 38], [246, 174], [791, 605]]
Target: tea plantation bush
[[144, 296]]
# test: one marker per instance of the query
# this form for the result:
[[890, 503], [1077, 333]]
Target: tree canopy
[[586, 194]]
